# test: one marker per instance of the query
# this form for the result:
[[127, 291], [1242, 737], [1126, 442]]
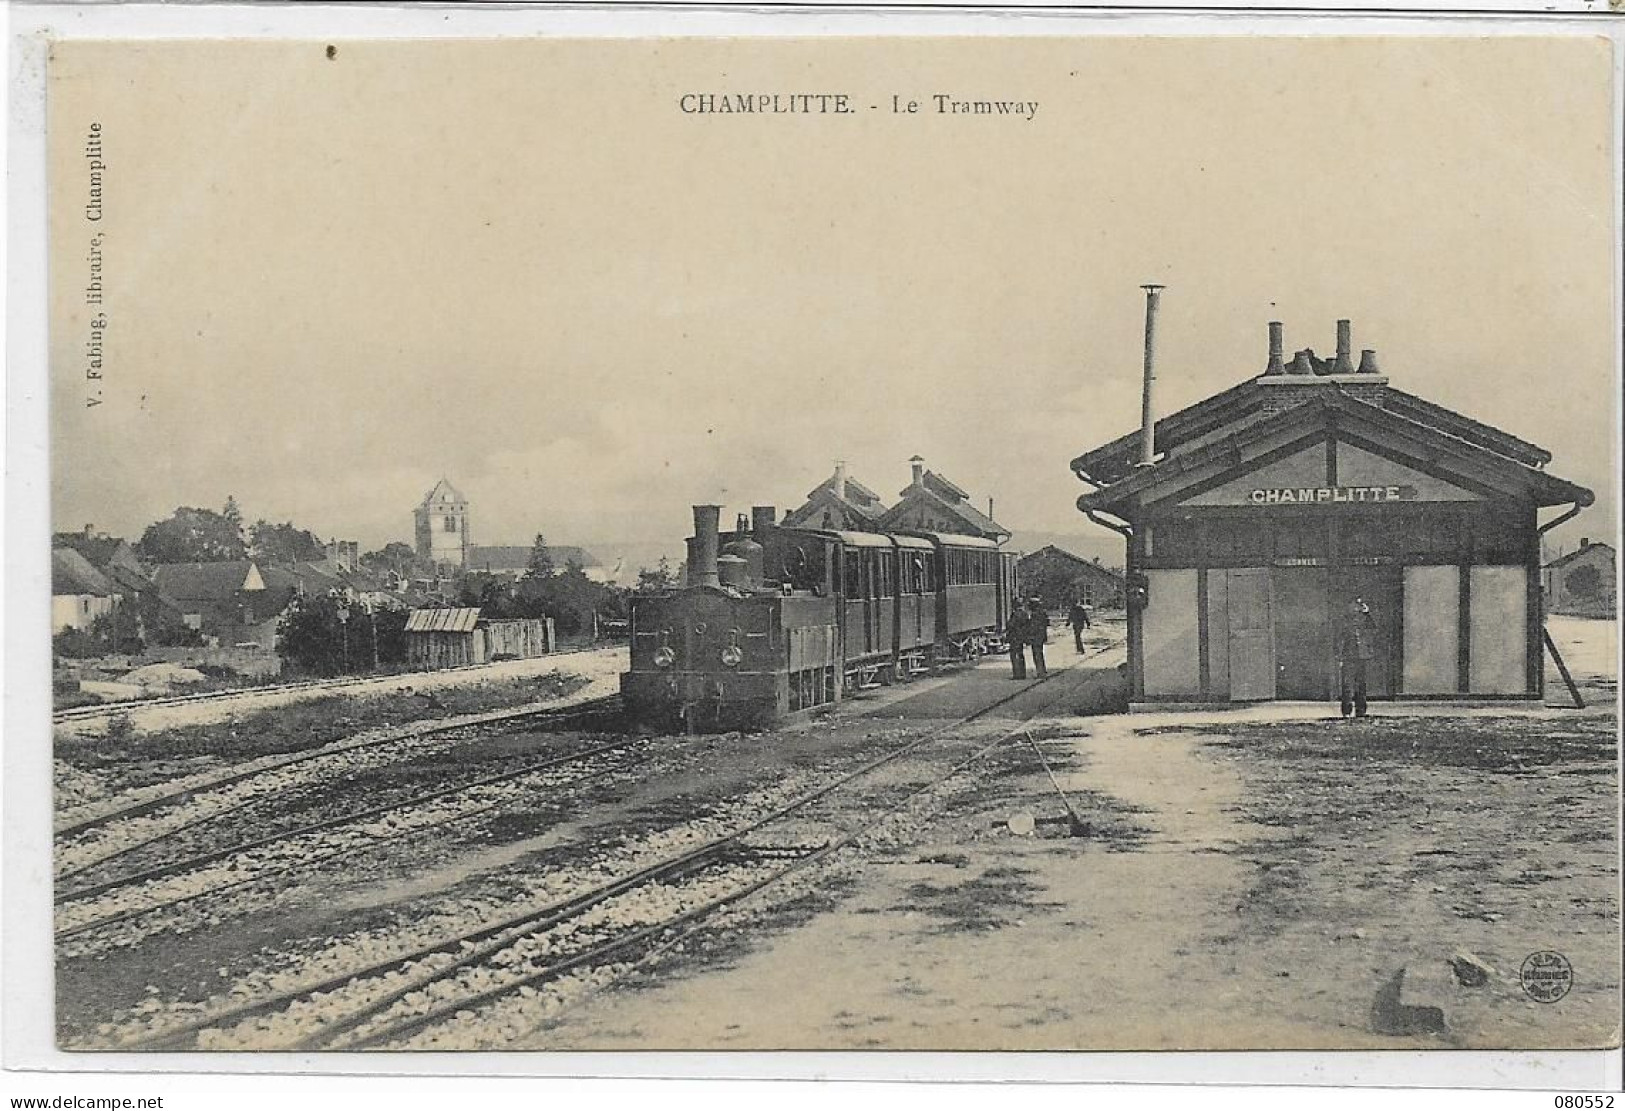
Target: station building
[[1266, 509]]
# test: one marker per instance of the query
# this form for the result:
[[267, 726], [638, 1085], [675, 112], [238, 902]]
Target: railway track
[[606, 706], [369, 813], [446, 980], [354, 823], [107, 709]]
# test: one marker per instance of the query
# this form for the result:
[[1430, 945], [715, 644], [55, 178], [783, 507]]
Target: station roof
[[1201, 444], [1248, 401]]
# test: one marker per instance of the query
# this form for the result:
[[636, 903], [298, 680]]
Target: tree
[[193, 535], [284, 543], [325, 635], [397, 557], [540, 564], [657, 578]]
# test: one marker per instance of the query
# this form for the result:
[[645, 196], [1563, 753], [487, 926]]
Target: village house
[[1255, 518], [1582, 582], [840, 503], [1059, 578], [80, 594], [229, 602], [115, 559], [931, 503]]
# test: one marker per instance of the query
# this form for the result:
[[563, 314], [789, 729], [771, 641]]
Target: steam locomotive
[[776, 621]]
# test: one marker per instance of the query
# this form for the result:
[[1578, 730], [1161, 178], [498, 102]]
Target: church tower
[[441, 522]]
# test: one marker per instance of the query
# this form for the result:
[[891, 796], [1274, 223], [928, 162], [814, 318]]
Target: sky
[[518, 265]]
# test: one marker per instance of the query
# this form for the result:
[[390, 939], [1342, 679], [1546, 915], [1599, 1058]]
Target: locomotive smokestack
[[706, 521], [840, 479], [1148, 418], [1345, 362], [1368, 362], [1275, 365], [762, 520]]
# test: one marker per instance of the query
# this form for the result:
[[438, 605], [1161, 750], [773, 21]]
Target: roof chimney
[[1585, 542], [1275, 365], [706, 520], [1368, 362], [1302, 363], [918, 463], [840, 479], [1344, 364]]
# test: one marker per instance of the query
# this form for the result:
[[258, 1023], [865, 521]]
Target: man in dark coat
[[1078, 618], [1015, 635], [1356, 648], [1038, 633]]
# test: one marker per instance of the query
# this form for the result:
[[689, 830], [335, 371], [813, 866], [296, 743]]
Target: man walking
[[1356, 648], [1038, 633], [1078, 618], [1015, 635]]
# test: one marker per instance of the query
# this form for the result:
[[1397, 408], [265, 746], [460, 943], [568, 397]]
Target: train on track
[[776, 621]]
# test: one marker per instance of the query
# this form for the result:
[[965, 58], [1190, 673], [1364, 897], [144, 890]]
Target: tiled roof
[[186, 582], [1174, 432], [1565, 560], [1224, 443], [442, 487], [71, 573]]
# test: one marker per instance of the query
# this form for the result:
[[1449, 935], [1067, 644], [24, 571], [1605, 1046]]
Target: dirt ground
[[1251, 879]]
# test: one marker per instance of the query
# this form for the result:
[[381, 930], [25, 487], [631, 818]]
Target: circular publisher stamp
[[1546, 976]]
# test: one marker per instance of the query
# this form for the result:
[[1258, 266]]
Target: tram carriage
[[777, 621]]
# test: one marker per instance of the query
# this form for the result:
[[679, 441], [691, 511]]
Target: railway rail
[[605, 706], [448, 978], [303, 861], [108, 709]]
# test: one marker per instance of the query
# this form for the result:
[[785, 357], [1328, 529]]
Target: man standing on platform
[[1078, 618], [1038, 633], [1016, 631], [1356, 648]]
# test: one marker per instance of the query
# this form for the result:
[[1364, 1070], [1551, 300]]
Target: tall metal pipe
[[762, 520], [706, 521], [1148, 412]]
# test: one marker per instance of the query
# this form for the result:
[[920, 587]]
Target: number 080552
[[1585, 1103]]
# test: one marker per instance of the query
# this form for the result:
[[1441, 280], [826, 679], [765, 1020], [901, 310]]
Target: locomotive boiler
[[774, 621]]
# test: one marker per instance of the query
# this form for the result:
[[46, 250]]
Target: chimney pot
[[840, 478], [918, 464], [1368, 362], [1585, 542], [1275, 365], [1344, 364], [1302, 364]]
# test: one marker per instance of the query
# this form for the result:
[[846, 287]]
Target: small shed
[[443, 638], [457, 637]]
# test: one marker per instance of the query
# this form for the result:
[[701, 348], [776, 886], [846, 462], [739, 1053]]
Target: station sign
[[1329, 495]]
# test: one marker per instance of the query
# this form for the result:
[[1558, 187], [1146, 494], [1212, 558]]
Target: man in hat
[[1015, 635], [1356, 647], [1038, 633], [1078, 618]]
